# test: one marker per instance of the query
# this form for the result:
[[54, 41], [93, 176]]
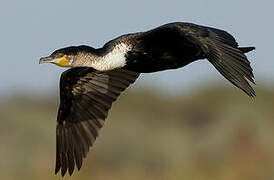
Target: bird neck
[[104, 59]]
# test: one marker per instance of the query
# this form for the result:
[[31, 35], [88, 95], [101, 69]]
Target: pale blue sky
[[31, 29]]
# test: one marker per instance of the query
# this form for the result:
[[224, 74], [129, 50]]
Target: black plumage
[[98, 76], [175, 45], [86, 96]]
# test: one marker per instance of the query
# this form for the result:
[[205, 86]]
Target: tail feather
[[231, 62], [246, 49]]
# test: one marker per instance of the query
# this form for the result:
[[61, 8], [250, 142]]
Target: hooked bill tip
[[45, 59]]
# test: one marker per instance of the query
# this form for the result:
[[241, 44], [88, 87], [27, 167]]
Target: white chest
[[114, 59]]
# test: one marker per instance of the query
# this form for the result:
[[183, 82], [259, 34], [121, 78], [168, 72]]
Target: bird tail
[[246, 49], [223, 52]]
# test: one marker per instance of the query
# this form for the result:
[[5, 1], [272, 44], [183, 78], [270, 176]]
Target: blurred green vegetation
[[215, 133]]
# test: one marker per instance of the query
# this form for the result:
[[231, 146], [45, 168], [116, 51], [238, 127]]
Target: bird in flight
[[97, 77]]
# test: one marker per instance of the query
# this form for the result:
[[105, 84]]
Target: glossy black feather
[[86, 96], [175, 45]]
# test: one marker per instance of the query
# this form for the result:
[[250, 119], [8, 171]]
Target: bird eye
[[58, 55]]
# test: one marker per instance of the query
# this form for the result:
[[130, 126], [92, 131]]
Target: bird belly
[[146, 64]]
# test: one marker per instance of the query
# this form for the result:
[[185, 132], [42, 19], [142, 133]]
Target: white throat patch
[[114, 59]]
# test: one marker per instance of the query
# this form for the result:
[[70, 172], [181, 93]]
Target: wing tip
[[250, 92]]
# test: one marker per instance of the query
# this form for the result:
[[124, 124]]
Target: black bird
[[98, 76]]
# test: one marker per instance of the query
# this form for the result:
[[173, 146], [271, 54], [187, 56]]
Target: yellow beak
[[63, 62]]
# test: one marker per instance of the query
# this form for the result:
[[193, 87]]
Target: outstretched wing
[[86, 96], [177, 44]]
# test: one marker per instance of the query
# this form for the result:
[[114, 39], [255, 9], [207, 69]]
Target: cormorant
[[98, 76]]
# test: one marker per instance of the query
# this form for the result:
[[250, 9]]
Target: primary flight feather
[[98, 76]]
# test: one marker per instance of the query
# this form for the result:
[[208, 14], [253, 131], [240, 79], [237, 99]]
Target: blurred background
[[188, 123]]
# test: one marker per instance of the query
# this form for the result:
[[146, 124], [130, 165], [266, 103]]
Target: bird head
[[62, 57]]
